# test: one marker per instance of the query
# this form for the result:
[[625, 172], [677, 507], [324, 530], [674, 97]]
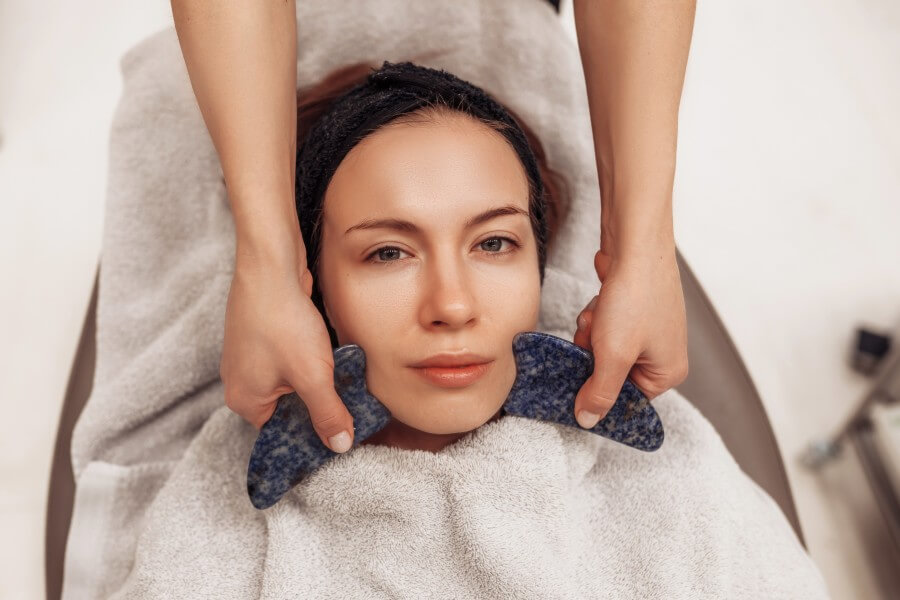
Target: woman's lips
[[454, 377]]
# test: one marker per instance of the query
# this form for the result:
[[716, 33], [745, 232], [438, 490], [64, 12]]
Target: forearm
[[241, 56], [634, 55]]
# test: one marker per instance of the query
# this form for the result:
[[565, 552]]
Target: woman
[[634, 68], [402, 175], [432, 291]]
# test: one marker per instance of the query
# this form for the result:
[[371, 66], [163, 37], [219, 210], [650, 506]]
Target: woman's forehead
[[435, 171]]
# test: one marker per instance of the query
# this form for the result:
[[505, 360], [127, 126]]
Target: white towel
[[517, 508]]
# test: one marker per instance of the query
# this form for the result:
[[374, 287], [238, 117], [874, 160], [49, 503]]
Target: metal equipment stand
[[859, 430]]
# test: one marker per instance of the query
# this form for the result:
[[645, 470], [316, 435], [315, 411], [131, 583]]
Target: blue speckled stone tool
[[549, 373]]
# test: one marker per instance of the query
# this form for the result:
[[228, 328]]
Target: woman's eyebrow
[[408, 226]]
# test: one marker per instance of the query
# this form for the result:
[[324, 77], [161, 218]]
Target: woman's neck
[[399, 435]]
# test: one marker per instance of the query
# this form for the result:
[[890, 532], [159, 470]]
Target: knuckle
[[598, 402], [230, 397], [233, 405], [684, 371], [328, 425], [317, 374], [654, 391], [614, 357]]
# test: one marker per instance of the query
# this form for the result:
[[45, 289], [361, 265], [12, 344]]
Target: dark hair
[[546, 187]]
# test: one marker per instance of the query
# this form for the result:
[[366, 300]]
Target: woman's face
[[427, 248]]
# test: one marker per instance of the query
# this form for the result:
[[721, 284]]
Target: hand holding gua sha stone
[[549, 373]]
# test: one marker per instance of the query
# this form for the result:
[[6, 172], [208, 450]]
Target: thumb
[[327, 413], [602, 388]]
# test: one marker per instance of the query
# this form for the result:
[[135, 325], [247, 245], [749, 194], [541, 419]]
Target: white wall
[[59, 84]]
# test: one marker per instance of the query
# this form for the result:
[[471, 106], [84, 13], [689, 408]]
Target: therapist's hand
[[636, 328], [276, 342]]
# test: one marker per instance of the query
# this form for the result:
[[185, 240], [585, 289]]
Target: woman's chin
[[449, 428], [431, 433], [451, 424]]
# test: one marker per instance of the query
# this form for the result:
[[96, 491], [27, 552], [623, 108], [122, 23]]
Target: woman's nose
[[448, 297]]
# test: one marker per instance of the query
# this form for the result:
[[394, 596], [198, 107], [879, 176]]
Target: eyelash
[[371, 258]]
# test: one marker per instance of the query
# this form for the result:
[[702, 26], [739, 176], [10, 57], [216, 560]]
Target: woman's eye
[[382, 253], [496, 242], [387, 254]]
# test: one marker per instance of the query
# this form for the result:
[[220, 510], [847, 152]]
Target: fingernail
[[592, 303], [582, 321], [587, 419], [340, 442]]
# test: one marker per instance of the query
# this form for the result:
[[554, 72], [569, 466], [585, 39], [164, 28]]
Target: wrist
[[276, 248], [648, 261], [636, 212], [267, 229], [645, 233]]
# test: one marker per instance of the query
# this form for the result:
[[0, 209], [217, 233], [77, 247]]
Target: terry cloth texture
[[515, 509]]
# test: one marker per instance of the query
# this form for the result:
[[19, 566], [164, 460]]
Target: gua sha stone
[[549, 373]]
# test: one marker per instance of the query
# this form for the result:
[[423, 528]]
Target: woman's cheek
[[373, 309], [514, 294]]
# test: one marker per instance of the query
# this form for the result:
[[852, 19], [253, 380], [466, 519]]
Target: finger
[[583, 321], [602, 388], [587, 313], [306, 282], [330, 418], [583, 325], [583, 338], [259, 415], [256, 412], [602, 263]]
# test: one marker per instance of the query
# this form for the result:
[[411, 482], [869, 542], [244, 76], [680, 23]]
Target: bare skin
[[634, 56], [406, 296]]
